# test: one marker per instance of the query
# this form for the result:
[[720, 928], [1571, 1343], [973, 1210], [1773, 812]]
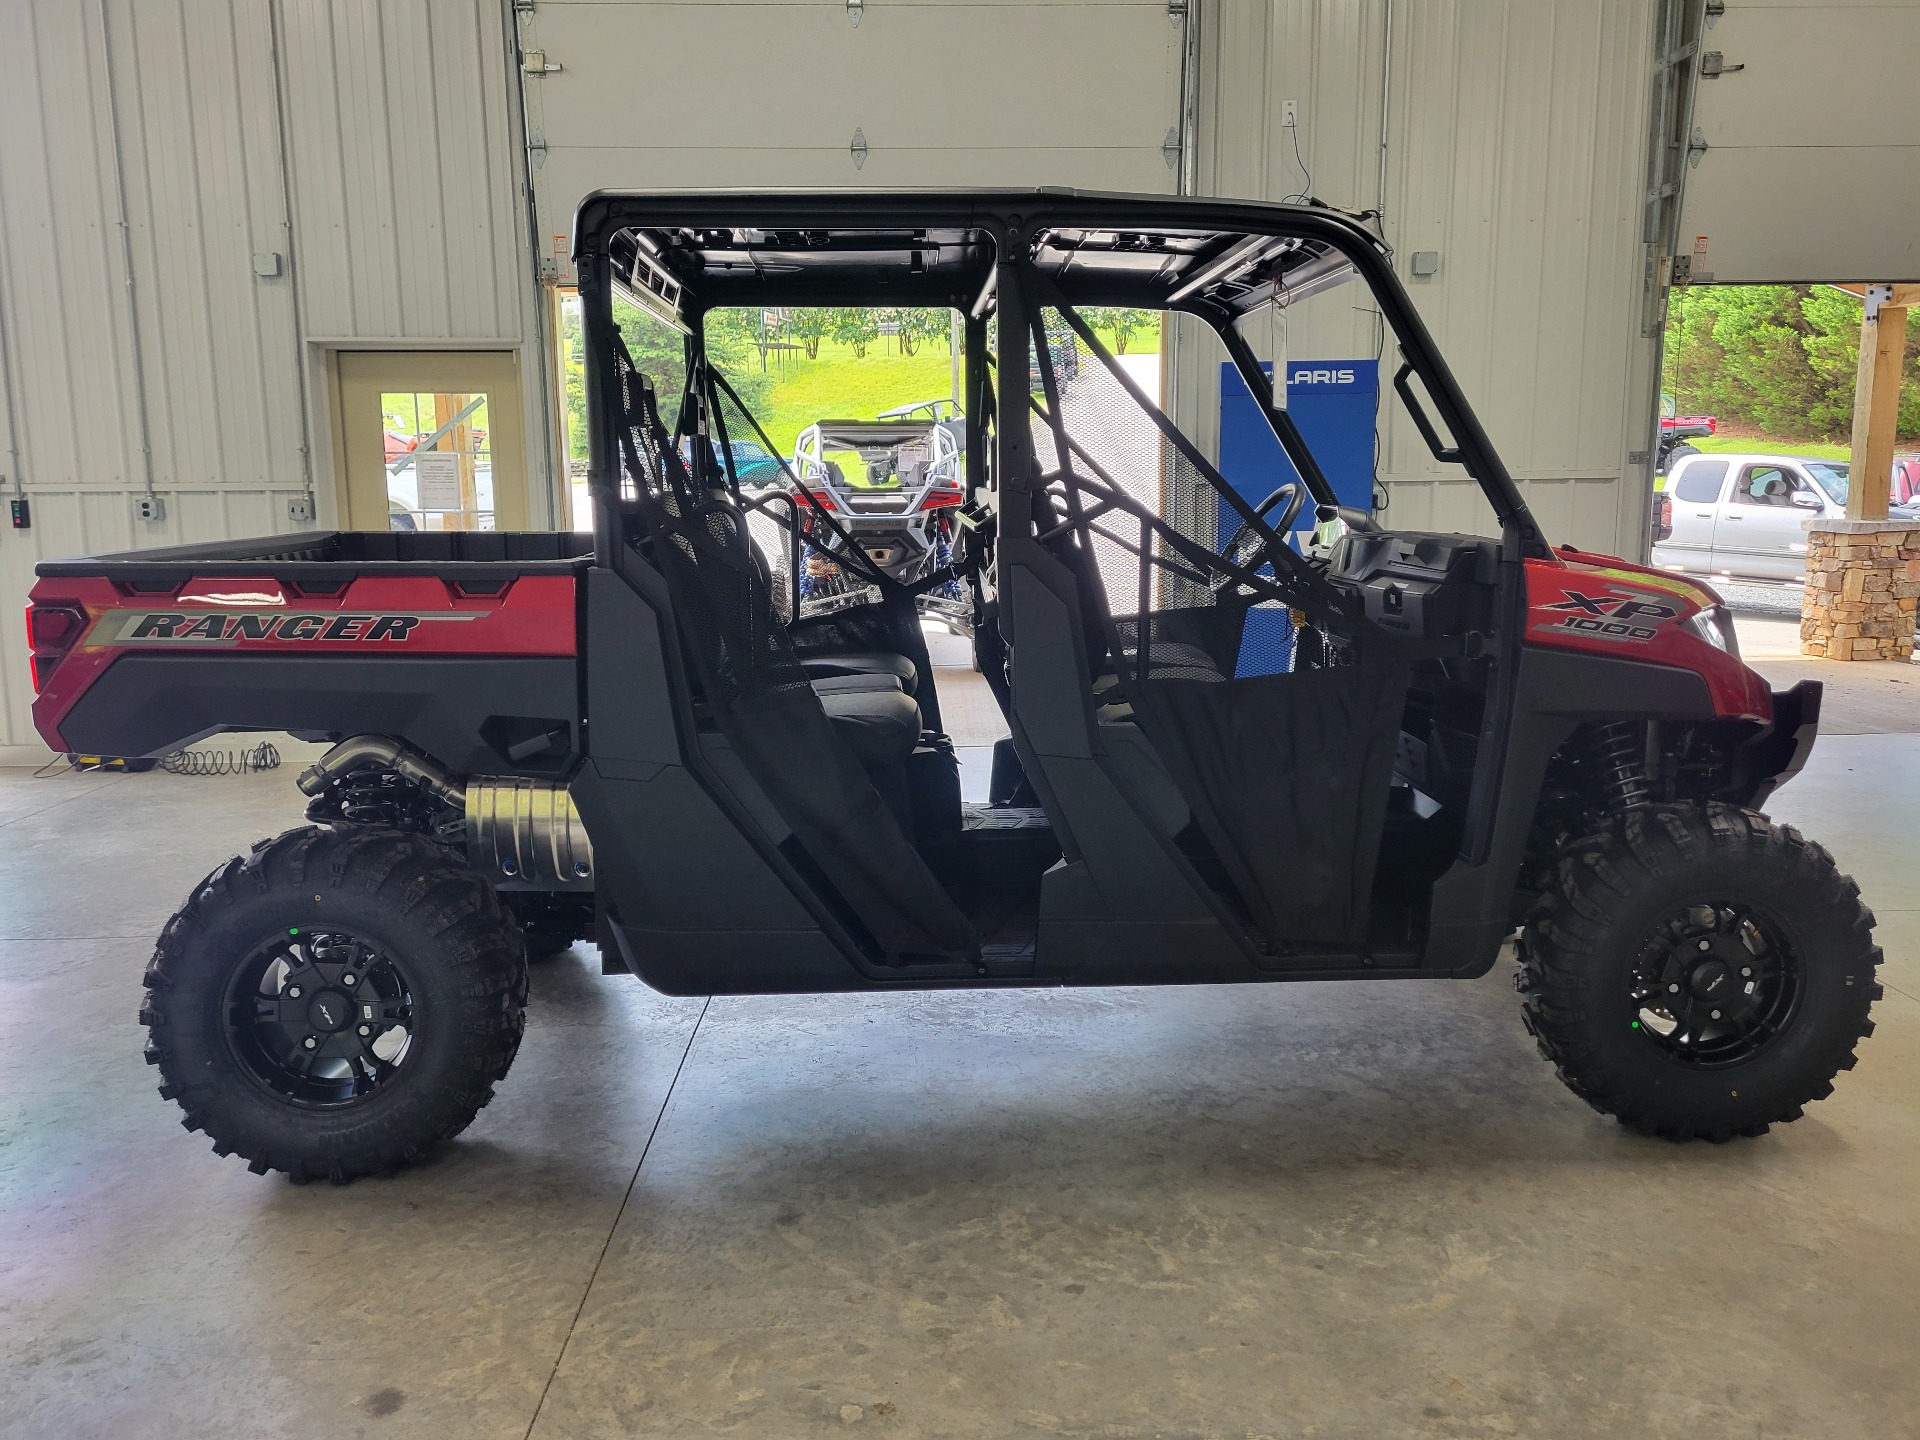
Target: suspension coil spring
[[1618, 753]]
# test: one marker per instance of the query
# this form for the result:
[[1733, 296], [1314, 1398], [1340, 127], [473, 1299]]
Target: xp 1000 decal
[[1628, 619], [1613, 604], [1609, 607]]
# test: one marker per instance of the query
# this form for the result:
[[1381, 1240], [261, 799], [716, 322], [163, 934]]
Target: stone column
[[1863, 583]]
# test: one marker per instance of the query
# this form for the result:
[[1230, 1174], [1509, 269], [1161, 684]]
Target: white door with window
[[1763, 526]]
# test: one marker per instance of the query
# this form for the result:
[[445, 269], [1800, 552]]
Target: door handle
[[1736, 517]]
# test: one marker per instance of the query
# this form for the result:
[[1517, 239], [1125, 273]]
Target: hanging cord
[[1306, 185]]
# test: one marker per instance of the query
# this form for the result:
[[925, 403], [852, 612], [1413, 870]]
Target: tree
[[810, 327], [659, 353], [856, 327], [733, 338], [1778, 359], [1121, 324], [918, 325]]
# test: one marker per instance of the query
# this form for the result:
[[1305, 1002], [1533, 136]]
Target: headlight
[[1715, 626]]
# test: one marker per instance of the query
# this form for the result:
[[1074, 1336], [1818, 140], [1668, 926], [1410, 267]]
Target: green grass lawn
[[839, 387], [1758, 445]]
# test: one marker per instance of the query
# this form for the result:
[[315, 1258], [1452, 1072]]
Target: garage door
[[1812, 145], [830, 93]]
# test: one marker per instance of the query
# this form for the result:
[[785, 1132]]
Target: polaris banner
[[1334, 403]]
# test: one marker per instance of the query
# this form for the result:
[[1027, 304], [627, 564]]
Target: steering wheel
[[1295, 497]]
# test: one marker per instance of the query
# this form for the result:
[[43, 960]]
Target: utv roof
[[691, 251]]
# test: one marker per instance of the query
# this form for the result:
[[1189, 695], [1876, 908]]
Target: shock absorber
[[1619, 764]]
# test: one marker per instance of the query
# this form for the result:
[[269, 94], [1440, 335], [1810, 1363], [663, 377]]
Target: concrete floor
[[1360, 1210]]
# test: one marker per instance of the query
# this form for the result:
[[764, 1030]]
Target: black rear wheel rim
[[1715, 985], [323, 1018]]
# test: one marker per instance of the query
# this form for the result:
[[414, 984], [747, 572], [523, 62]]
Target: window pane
[[1700, 481], [438, 460]]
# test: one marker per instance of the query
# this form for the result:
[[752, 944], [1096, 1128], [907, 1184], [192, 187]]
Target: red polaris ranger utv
[[1255, 736]]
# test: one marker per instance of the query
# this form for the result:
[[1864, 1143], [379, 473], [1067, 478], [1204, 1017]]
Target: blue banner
[[1334, 404]]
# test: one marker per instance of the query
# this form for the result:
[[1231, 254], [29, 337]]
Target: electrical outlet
[[1289, 113], [149, 507], [300, 509]]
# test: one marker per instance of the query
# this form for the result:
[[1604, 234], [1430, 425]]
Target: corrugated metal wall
[[1516, 149], [1515, 146], [408, 229]]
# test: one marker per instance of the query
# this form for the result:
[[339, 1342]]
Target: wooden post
[[1876, 398]]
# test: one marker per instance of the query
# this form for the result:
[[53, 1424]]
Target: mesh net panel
[[811, 570], [1112, 439], [1280, 743], [740, 652], [826, 593]]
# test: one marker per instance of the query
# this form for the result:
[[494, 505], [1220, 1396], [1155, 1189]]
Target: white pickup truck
[[1745, 516]]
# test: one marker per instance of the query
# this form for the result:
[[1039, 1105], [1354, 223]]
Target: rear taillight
[[1666, 510], [1713, 426], [940, 499], [820, 498], [52, 630]]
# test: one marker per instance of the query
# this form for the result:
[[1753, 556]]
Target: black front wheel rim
[[322, 1018], [1715, 985]]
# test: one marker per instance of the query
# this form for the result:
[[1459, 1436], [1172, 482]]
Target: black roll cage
[[680, 254], [994, 253]]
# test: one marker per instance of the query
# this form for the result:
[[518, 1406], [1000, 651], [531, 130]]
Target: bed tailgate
[[480, 662]]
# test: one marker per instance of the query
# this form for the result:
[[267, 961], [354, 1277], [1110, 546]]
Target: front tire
[[336, 1003], [1698, 972]]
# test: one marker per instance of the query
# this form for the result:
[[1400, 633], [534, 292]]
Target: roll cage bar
[[680, 254]]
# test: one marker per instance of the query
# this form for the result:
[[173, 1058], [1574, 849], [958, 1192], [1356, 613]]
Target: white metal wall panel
[[59, 253], [219, 350], [219, 367], [717, 94], [1812, 166], [409, 228], [1515, 148], [400, 127]]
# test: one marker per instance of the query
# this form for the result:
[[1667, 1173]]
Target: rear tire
[[1698, 972], [1677, 454], [336, 1003]]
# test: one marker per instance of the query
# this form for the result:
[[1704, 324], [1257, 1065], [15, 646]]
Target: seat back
[[740, 654]]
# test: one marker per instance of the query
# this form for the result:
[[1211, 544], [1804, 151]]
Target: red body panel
[[411, 615], [1604, 606]]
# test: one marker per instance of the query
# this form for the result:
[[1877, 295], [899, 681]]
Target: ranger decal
[[174, 629]]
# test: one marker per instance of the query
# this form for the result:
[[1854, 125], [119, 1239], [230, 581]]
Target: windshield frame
[[1835, 493]]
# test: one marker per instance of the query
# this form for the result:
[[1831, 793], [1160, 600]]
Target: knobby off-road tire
[[544, 945], [1677, 454], [336, 1003], [1698, 972]]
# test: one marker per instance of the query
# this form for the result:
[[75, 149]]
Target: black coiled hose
[[263, 756]]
